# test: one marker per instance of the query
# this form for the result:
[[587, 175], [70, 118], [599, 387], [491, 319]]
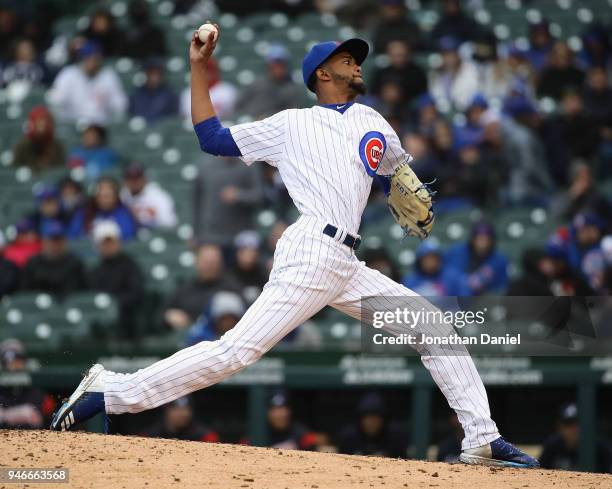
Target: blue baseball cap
[[90, 48], [53, 229], [47, 192], [357, 48]]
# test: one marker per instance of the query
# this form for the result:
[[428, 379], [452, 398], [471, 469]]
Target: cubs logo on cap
[[371, 151]]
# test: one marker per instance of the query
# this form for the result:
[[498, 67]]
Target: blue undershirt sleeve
[[215, 139]]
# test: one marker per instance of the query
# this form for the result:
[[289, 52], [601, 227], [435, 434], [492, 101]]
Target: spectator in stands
[[284, 432], [39, 149], [25, 245], [430, 277], [560, 73], [402, 70], [9, 272], [9, 31], [468, 181], [456, 81], [584, 248], [449, 449], [151, 205], [155, 99], [102, 30], [396, 25], [93, 154], [597, 98], [223, 94], [581, 196], [442, 151], [529, 181], [179, 423], [560, 450], [72, 197], [104, 205], [573, 134], [424, 163], [143, 39], [509, 72], [472, 130], [481, 268], [22, 406], [596, 47], [535, 278], [427, 115], [377, 258], [117, 274], [389, 103], [563, 280], [88, 91], [227, 195], [249, 269], [373, 434], [222, 314], [455, 23], [188, 301], [24, 66], [274, 92], [55, 270], [540, 45], [48, 208]]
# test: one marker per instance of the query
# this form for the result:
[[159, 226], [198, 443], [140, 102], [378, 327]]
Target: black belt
[[350, 241]]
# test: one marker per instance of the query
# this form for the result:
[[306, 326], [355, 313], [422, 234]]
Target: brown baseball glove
[[410, 202]]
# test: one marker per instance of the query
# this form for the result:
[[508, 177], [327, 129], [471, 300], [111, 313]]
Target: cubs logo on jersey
[[371, 151]]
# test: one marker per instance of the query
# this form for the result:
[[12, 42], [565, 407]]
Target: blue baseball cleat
[[85, 402], [498, 453]]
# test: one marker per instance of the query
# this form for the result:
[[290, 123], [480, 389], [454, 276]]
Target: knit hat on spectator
[[371, 403], [428, 247], [449, 43], [49, 192], [588, 219], [568, 413], [25, 225], [247, 239], [425, 100], [134, 170], [40, 125], [224, 303], [107, 229], [90, 48]]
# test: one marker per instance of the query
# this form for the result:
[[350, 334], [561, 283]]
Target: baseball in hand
[[204, 30]]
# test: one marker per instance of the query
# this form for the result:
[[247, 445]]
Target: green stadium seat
[[90, 313]]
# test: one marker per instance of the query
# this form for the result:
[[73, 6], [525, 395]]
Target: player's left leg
[[455, 374]]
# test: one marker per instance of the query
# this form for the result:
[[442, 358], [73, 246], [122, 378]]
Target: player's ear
[[322, 73]]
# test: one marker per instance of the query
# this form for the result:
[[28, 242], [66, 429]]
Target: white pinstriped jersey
[[326, 159]]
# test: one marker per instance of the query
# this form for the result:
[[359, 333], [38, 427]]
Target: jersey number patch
[[371, 151]]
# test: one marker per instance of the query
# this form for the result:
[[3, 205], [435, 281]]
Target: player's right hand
[[200, 52]]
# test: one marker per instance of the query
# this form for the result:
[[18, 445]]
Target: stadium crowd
[[497, 125]]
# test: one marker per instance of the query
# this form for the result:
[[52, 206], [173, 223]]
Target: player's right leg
[[308, 273]]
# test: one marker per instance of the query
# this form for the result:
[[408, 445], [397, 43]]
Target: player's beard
[[356, 86]]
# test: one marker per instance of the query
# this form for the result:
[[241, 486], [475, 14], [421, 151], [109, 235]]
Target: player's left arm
[[395, 155]]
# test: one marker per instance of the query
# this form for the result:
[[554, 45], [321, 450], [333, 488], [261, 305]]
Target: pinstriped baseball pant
[[311, 270]]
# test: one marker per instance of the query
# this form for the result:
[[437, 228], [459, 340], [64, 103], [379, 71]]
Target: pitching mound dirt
[[98, 461]]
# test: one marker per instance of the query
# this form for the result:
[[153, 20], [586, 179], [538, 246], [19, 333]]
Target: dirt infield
[[98, 461]]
